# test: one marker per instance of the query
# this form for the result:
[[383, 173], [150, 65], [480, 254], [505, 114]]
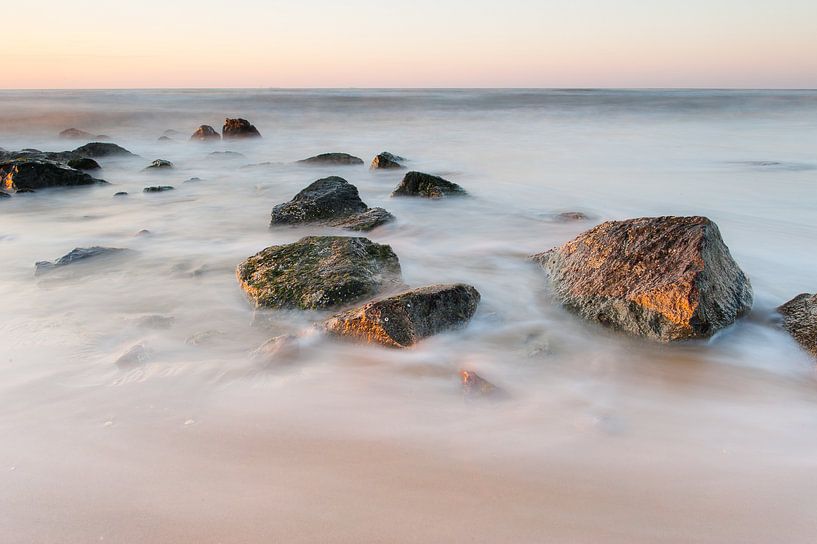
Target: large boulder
[[800, 320], [387, 161], [205, 133], [665, 278], [333, 201], [319, 272], [428, 186], [79, 254], [332, 159], [29, 175], [403, 320], [102, 149], [239, 128]]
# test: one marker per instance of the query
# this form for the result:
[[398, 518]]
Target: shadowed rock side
[[405, 319], [239, 128], [29, 175], [428, 186], [76, 255], [386, 161], [333, 201], [800, 320], [319, 272], [332, 159], [102, 149], [205, 133], [83, 164], [665, 278]]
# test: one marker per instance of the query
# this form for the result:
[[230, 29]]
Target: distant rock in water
[[76, 134], [160, 164], [158, 189], [428, 186], [800, 320], [24, 175], [319, 272], [205, 133], [664, 278], [475, 386], [121, 193], [386, 160], [566, 217], [332, 201], [332, 159], [102, 149], [77, 255], [84, 164], [403, 320], [170, 133], [192, 180], [165, 139], [225, 155], [239, 128]]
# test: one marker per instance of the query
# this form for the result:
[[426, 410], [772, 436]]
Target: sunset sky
[[417, 43]]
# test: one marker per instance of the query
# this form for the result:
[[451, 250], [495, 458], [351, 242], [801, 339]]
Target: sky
[[414, 43]]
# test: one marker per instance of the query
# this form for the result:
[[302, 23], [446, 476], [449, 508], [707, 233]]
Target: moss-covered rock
[[319, 272], [428, 186]]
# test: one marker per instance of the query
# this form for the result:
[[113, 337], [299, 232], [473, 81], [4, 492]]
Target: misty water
[[600, 437]]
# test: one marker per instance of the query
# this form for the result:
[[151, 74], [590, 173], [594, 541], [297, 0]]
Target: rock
[[158, 188], [225, 155], [23, 175], [319, 272], [76, 134], [102, 149], [276, 351], [144, 232], [83, 164], [475, 386], [800, 320], [386, 160], [121, 193], [403, 320], [133, 357], [239, 128], [160, 164], [426, 185], [165, 139], [205, 133], [170, 133], [76, 255], [333, 201], [664, 278], [566, 217], [191, 180], [332, 159]]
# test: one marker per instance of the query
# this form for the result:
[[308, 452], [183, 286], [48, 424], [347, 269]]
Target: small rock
[[121, 193], [800, 320], [332, 159], [386, 160], [171, 133], [239, 128], [225, 155], [102, 149], [75, 134], [475, 386], [205, 133], [279, 350], [204, 337], [364, 221], [165, 139], [426, 185], [571, 216], [403, 320], [144, 232], [84, 164], [160, 164], [133, 357], [192, 180], [76, 255], [158, 188]]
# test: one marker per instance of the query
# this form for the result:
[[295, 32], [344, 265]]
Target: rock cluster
[[426, 185]]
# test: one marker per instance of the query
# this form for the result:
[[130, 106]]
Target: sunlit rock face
[[800, 320], [239, 128], [30, 175], [403, 320], [205, 133], [664, 278], [428, 186], [387, 161], [319, 272]]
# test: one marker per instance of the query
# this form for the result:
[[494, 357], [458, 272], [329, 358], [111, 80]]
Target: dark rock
[[319, 272], [76, 255], [386, 160], [166, 139], [102, 149], [121, 193], [332, 159], [800, 320], [23, 175], [364, 221], [160, 164], [402, 320], [158, 189], [192, 180], [239, 128], [475, 386], [426, 185], [664, 278], [84, 164], [566, 217], [205, 133], [225, 155]]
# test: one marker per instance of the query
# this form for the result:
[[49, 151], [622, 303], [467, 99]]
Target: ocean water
[[601, 438]]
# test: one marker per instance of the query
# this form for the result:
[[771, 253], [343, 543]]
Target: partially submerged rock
[[665, 278], [332, 201], [475, 386], [24, 175], [76, 134], [79, 254], [386, 160], [83, 163], [160, 164], [403, 320], [428, 186], [134, 357], [239, 128], [800, 320], [226, 155], [158, 189], [319, 272], [205, 133], [332, 159], [102, 149], [121, 193], [276, 351]]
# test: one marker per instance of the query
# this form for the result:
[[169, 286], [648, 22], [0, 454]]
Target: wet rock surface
[[428, 186], [319, 272], [23, 175], [664, 278], [332, 159], [387, 161], [404, 319], [205, 133], [239, 128], [102, 149], [79, 254], [800, 320]]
